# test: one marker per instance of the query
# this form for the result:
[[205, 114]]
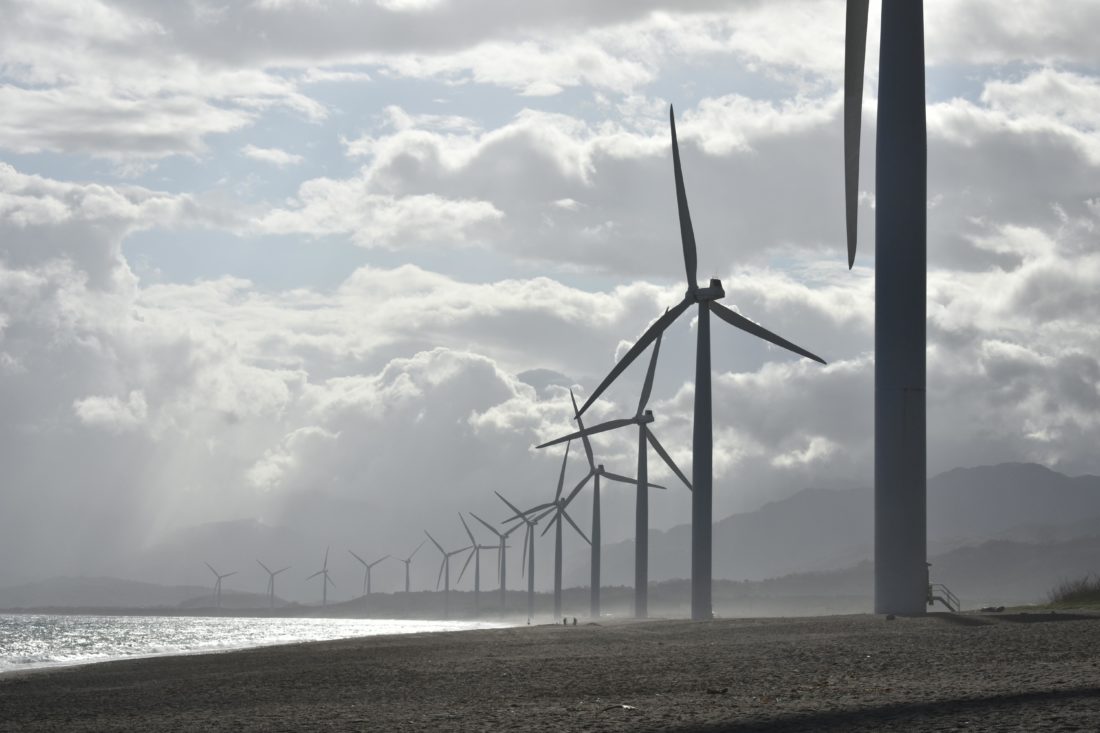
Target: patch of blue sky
[[687, 83], [77, 168], [271, 263], [284, 262]]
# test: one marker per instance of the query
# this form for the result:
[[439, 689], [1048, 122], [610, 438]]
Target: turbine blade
[[627, 480], [211, 568], [488, 526], [549, 511], [647, 386], [526, 541], [384, 557], [439, 578], [584, 438], [524, 515], [435, 543], [577, 489], [561, 476], [409, 559], [467, 528], [651, 333], [557, 518], [739, 321], [325, 564], [855, 51], [511, 506], [665, 456], [263, 566], [315, 575], [282, 570], [329, 580], [575, 526], [467, 563], [361, 560], [687, 236], [229, 574], [602, 427]]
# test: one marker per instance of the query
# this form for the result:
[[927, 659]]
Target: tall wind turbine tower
[[641, 507], [901, 209], [594, 473], [503, 558], [528, 559], [702, 443]]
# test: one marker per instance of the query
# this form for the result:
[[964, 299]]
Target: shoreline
[[381, 627], [1028, 671]]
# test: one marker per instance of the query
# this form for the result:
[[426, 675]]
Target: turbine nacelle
[[714, 291]]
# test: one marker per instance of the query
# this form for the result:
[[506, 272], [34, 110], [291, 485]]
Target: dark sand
[[1031, 672]]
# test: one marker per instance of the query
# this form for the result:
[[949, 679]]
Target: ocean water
[[40, 640]]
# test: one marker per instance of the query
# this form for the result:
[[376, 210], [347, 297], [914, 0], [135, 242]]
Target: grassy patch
[[1078, 592]]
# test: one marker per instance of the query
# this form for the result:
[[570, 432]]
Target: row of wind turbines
[[900, 434], [323, 573], [705, 299]]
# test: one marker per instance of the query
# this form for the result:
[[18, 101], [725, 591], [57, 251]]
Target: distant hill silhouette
[[822, 529], [1007, 532]]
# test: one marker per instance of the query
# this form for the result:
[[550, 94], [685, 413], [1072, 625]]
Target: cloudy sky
[[262, 253]]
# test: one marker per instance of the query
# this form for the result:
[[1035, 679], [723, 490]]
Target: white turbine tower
[[901, 272], [706, 301], [642, 419]]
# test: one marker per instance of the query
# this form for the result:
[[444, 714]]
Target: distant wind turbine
[[445, 572], [503, 557], [702, 440], [218, 584], [557, 510], [642, 419], [324, 583], [901, 212], [367, 567], [527, 563], [475, 555], [408, 561], [271, 581], [594, 474]]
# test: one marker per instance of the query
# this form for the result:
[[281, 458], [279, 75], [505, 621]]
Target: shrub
[[1078, 592]]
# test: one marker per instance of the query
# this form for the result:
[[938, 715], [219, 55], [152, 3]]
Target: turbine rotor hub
[[713, 291]]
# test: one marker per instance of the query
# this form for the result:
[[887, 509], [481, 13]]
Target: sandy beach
[[1027, 672]]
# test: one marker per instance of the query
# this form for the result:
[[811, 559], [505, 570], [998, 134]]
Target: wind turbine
[[557, 509], [641, 418], [324, 583], [528, 550], [594, 474], [901, 211], [702, 438], [218, 584], [475, 555], [368, 566], [271, 581], [408, 560], [445, 572], [502, 559]]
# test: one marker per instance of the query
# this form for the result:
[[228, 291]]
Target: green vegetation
[[1074, 593]]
